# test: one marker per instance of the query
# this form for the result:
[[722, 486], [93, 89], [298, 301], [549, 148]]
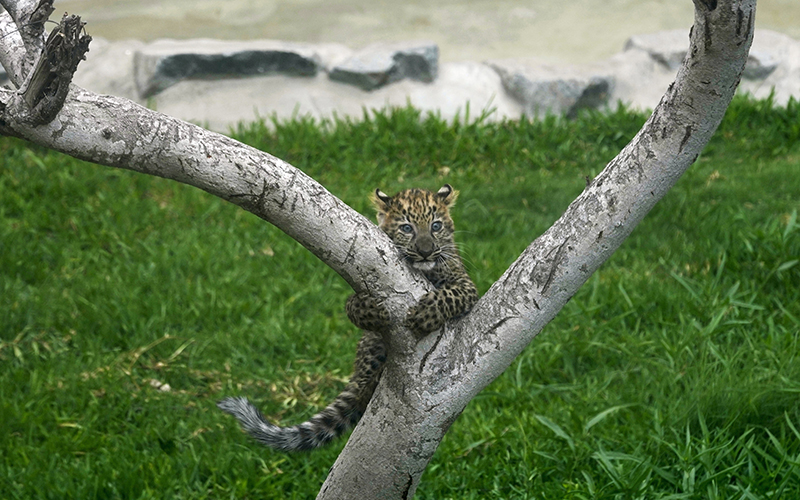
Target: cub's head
[[419, 223]]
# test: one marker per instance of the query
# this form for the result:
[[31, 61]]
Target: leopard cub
[[419, 224]]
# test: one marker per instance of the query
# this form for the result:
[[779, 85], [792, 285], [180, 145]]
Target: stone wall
[[218, 83]]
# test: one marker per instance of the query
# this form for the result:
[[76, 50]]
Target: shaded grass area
[[673, 373]]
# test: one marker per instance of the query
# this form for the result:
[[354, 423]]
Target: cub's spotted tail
[[316, 432], [339, 416]]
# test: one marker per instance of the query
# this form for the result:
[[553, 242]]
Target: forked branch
[[426, 385], [416, 402]]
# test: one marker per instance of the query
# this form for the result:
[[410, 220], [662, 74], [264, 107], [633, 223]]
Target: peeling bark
[[53, 61], [46, 89], [427, 384]]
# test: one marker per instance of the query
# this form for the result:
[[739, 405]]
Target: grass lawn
[[129, 305]]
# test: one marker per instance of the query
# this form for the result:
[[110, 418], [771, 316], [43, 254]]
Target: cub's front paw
[[366, 313], [425, 317]]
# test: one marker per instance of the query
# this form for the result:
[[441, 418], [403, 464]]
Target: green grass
[[673, 373]]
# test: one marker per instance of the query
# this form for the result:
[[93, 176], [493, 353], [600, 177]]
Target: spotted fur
[[418, 222]]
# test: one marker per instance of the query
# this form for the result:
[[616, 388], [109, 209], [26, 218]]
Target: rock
[[665, 47], [461, 88], [545, 88], [3, 76], [381, 64], [163, 63], [769, 49], [669, 48], [759, 65], [782, 80], [108, 68], [332, 54], [214, 93], [639, 80]]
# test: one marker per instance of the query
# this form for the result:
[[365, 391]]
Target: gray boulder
[[665, 47], [463, 91], [381, 64], [163, 63], [639, 80], [669, 48], [556, 89], [108, 68], [779, 55], [773, 66]]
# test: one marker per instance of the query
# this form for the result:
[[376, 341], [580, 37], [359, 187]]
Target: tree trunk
[[422, 392], [425, 385]]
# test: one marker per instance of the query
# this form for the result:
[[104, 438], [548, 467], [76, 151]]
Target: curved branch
[[112, 131], [116, 132], [421, 394], [27, 23], [13, 53], [553, 267]]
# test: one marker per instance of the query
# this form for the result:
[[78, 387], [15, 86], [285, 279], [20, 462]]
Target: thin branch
[[13, 54], [29, 17]]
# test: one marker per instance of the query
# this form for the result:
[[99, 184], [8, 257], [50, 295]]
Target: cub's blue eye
[[406, 228], [436, 226]]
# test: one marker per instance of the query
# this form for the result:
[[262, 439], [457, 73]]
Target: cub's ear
[[381, 201], [447, 195], [382, 197]]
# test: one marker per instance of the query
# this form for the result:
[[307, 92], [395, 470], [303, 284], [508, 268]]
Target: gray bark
[[426, 385], [422, 392], [13, 53], [28, 22]]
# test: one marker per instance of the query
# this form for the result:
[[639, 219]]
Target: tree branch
[[46, 88], [116, 132], [425, 386], [13, 53], [414, 404], [28, 17]]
